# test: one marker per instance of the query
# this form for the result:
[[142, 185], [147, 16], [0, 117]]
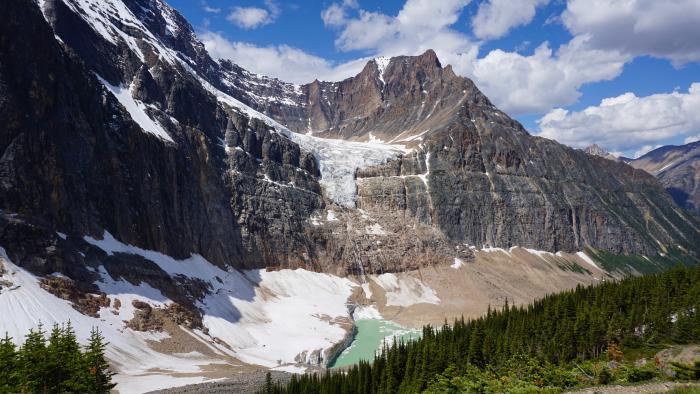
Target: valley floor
[[286, 320]]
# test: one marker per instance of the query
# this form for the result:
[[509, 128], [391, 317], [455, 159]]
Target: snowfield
[[25, 305], [267, 318]]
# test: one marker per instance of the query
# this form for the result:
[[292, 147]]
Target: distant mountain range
[[676, 167]]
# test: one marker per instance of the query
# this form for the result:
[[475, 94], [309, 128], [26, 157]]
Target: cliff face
[[126, 125], [73, 157], [480, 178]]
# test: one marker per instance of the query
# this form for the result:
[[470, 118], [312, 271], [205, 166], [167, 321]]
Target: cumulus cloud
[[627, 122], [281, 61], [496, 17], [530, 84], [691, 138], [254, 17], [336, 14], [419, 25], [664, 29]]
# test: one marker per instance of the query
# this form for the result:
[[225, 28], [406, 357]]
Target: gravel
[[245, 383]]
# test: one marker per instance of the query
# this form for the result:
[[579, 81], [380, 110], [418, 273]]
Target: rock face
[[126, 125], [596, 150], [73, 157], [678, 169]]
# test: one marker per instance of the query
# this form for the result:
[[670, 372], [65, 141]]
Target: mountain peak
[[428, 57], [597, 150]]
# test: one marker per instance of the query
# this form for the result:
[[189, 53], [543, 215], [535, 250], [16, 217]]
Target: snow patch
[[288, 312], [366, 313], [330, 216], [458, 263], [489, 249], [405, 290], [375, 229], [366, 290], [137, 110], [291, 369], [382, 62], [540, 253], [583, 256]]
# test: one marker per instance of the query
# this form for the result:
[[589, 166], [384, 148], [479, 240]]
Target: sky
[[624, 74]]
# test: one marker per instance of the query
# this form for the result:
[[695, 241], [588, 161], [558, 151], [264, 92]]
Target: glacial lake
[[371, 334]]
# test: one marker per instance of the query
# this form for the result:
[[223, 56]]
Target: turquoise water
[[369, 339]]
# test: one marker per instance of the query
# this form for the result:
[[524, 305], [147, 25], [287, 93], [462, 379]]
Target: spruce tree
[[9, 381], [99, 376], [32, 362]]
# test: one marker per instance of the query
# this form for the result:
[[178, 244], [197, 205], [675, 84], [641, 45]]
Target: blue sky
[[548, 63]]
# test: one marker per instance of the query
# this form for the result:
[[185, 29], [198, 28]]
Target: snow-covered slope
[[256, 312], [24, 305]]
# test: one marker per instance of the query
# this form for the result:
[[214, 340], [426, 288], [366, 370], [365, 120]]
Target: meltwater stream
[[371, 334]]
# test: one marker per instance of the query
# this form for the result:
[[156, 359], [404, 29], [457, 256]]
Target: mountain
[[596, 150], [168, 198], [678, 169]]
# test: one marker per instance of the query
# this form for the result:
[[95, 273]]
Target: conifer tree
[[8, 366], [99, 376], [32, 362]]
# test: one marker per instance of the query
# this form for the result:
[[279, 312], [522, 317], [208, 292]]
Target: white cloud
[[254, 17], [336, 14], [644, 150], [496, 17], [627, 122], [692, 138], [533, 84], [419, 25], [281, 61], [212, 10], [664, 29]]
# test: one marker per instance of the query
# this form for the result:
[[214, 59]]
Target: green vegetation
[[685, 390], [571, 339], [644, 265], [56, 365]]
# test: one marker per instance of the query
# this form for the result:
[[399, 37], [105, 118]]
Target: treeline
[[56, 365], [554, 333]]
